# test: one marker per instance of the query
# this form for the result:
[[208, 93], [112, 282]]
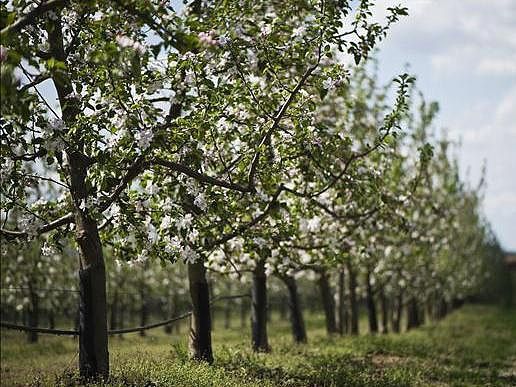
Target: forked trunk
[[200, 322], [259, 309], [296, 313]]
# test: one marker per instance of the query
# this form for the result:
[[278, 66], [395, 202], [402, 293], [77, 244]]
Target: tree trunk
[[51, 318], [143, 309], [169, 312], [33, 314], [93, 337], [412, 314], [385, 311], [353, 299], [259, 309], [328, 302], [396, 315], [200, 322], [371, 306], [296, 313], [227, 308], [214, 307], [442, 309], [342, 309]]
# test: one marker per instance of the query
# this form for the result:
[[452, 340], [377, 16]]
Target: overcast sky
[[464, 55]]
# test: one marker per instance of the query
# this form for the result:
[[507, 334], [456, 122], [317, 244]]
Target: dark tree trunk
[[33, 314], [227, 308], [342, 309], [93, 337], [296, 313], [213, 307], [93, 340], [396, 315], [200, 322], [353, 303], [328, 302], [169, 308], [259, 309], [412, 314], [442, 309], [371, 306], [51, 318], [385, 311], [143, 308], [283, 307]]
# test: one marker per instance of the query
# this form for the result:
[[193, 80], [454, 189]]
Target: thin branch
[[62, 221], [31, 16], [199, 176]]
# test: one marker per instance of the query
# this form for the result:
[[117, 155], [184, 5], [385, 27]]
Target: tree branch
[[30, 17]]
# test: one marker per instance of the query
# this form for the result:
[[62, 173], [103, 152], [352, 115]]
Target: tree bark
[[227, 308], [169, 312], [51, 318], [441, 309], [412, 314], [353, 299], [396, 315], [342, 308], [328, 302], [200, 322], [93, 338], [384, 303], [371, 306], [259, 309], [296, 313], [33, 314], [143, 308]]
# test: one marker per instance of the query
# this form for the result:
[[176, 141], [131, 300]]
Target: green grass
[[474, 346]]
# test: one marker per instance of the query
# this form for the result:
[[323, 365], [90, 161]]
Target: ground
[[474, 346]]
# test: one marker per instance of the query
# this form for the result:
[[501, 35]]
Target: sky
[[463, 53]]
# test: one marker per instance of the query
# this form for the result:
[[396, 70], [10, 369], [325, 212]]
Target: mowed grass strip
[[474, 346]]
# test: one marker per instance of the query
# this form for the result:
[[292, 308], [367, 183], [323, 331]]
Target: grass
[[474, 346]]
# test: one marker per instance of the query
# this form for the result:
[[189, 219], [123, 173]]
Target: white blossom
[[184, 222], [200, 201], [144, 138], [189, 255]]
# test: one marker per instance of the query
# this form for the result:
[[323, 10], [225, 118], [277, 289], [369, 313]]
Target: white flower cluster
[[126, 42], [208, 38], [144, 138]]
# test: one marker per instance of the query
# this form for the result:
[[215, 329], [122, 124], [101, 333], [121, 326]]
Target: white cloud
[[462, 36], [464, 54]]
